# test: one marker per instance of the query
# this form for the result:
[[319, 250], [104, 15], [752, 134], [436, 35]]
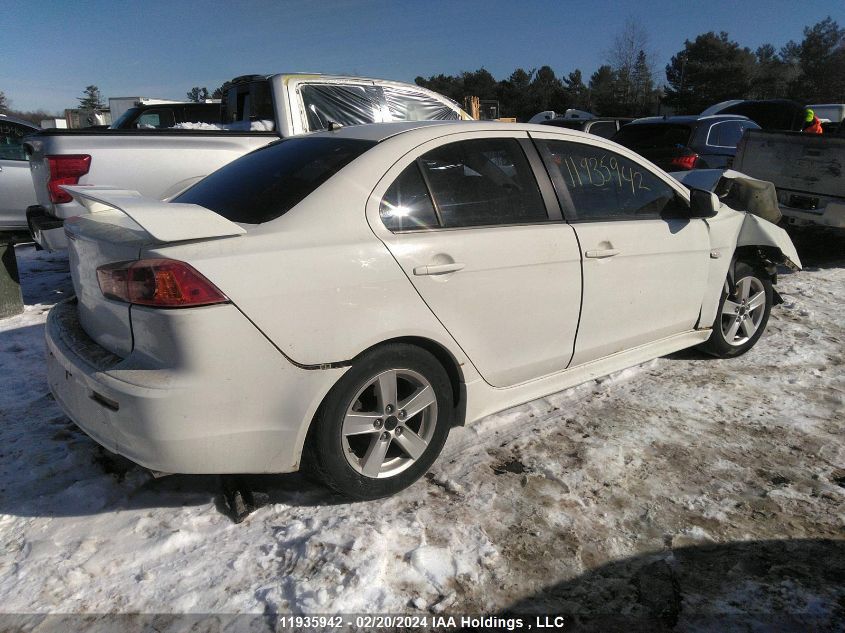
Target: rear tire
[[383, 424], [743, 313]]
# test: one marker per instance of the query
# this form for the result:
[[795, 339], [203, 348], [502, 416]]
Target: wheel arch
[[763, 259], [445, 358]]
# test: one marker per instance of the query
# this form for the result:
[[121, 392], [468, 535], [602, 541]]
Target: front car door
[[473, 221], [16, 189], [645, 265]]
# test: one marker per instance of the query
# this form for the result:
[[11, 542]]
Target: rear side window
[[412, 105], [605, 129], [604, 185], [344, 104], [483, 182], [267, 183], [248, 101], [726, 133], [158, 118], [644, 136], [407, 205]]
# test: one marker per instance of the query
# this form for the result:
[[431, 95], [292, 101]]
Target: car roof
[[382, 131], [11, 119], [688, 119]]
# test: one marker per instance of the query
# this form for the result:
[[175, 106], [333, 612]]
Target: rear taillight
[[66, 170], [163, 283], [684, 162]]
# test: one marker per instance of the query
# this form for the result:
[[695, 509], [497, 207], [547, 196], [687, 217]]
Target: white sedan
[[339, 301]]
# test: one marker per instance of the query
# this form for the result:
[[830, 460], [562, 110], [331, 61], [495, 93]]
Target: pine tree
[[708, 70], [91, 99], [198, 94]]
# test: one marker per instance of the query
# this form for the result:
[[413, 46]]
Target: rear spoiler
[[164, 221]]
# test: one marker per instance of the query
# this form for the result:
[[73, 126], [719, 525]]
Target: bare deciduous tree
[[624, 55]]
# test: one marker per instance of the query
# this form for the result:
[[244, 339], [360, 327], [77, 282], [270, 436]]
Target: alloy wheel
[[389, 423], [743, 310]]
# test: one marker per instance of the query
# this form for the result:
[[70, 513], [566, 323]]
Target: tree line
[[708, 69]]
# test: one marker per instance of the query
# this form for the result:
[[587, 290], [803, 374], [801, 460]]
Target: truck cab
[[161, 161]]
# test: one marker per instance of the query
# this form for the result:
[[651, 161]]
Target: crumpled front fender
[[756, 199], [756, 231]]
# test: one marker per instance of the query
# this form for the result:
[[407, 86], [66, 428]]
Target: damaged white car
[[339, 301]]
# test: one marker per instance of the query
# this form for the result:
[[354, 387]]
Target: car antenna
[[334, 125]]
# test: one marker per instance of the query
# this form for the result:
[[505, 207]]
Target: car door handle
[[438, 269], [601, 254]]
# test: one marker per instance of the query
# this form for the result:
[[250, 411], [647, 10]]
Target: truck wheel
[[383, 424], [743, 313]]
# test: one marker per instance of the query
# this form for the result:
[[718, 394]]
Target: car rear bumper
[[831, 215], [209, 418], [46, 231]]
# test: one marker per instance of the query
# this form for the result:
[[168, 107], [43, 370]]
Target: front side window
[[604, 185], [345, 104], [11, 140], [268, 182], [483, 182]]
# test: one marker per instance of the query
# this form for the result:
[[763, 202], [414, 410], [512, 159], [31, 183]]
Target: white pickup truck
[[257, 109], [806, 169]]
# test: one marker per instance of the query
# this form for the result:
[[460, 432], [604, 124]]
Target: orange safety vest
[[815, 127]]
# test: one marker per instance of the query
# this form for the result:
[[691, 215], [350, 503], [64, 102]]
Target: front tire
[[383, 424], [743, 313]]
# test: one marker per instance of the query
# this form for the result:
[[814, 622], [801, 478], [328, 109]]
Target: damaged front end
[[757, 199]]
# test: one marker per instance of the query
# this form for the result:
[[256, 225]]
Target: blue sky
[[49, 51]]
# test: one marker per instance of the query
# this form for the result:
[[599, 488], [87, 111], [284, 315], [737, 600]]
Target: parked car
[[340, 300], [604, 127], [257, 109], [769, 114], [16, 189], [677, 143], [168, 115]]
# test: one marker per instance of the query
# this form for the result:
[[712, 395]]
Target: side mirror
[[703, 204]]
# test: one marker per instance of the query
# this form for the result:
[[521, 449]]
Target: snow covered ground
[[683, 488]]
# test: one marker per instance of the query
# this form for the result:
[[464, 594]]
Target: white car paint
[[234, 387]]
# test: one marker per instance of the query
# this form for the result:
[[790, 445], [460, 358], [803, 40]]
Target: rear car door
[[473, 221], [16, 189], [644, 264]]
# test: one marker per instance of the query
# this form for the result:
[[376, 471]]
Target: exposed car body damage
[[757, 199]]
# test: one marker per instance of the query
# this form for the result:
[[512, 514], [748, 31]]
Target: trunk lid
[[119, 226], [111, 237]]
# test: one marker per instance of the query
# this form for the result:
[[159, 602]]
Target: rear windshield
[[267, 183], [653, 135]]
